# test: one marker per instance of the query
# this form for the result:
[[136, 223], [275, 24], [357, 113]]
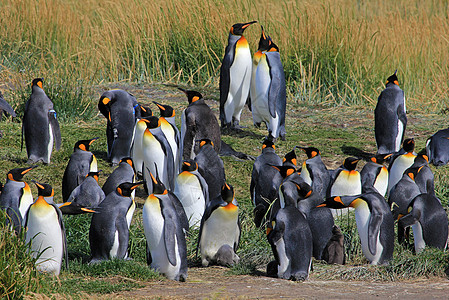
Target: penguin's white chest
[[400, 164], [153, 154], [189, 192], [362, 218], [137, 148], [418, 237], [305, 174], [46, 238], [25, 202], [381, 182], [347, 183], [284, 262]]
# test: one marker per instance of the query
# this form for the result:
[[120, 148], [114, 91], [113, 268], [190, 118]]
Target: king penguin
[[437, 148], [109, 228], [46, 233], [265, 181], [192, 190], [400, 162], [374, 221], [120, 108], [40, 127], [81, 162], [235, 76], [165, 224], [291, 242], [424, 176], [123, 173], [198, 122], [390, 117], [314, 171], [270, 97], [16, 197], [346, 180], [219, 234], [375, 174], [5, 107]]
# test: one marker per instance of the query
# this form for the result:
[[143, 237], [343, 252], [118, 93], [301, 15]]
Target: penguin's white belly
[[189, 192], [262, 86], [152, 154], [347, 184], [284, 262], [305, 174], [47, 239], [381, 183], [398, 140], [400, 164], [153, 225], [218, 230], [93, 164], [137, 148], [362, 218], [114, 249], [25, 202], [50, 142], [418, 237]]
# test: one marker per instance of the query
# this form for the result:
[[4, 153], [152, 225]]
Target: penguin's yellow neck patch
[[357, 202], [409, 155], [40, 202], [242, 43], [230, 207]]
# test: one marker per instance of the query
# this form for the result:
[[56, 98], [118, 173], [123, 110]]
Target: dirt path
[[213, 283]]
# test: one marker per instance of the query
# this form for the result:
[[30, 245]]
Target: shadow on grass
[[356, 152]]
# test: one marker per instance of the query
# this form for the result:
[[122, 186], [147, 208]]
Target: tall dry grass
[[334, 52]]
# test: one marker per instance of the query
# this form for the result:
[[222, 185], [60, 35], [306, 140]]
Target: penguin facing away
[[291, 242], [437, 148], [390, 119], [424, 177], [374, 221], [401, 162], [165, 225], [40, 127], [219, 234], [81, 162], [137, 149], [109, 228], [198, 122], [375, 175], [314, 171], [123, 173], [46, 232], [235, 76]]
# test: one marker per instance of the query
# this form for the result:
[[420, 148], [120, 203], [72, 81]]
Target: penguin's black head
[[408, 145], [227, 193], [189, 165], [37, 82], [304, 189], [205, 142], [290, 157], [268, 143], [44, 189], [333, 202], [84, 144], [350, 163], [239, 28], [311, 152], [18, 173], [285, 170], [264, 41], [126, 188], [380, 158], [94, 175], [127, 160], [412, 172], [145, 111], [192, 96], [421, 160], [158, 186], [152, 122], [273, 47], [392, 79], [166, 110]]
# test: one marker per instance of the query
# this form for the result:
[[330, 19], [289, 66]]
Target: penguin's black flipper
[[169, 233], [121, 226], [274, 89], [373, 230], [225, 79], [6, 107], [64, 237], [53, 121]]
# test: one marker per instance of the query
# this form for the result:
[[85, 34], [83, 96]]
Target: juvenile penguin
[[291, 242], [390, 117], [81, 162], [171, 132], [85, 197], [198, 122], [428, 220], [16, 197], [211, 167], [265, 181], [220, 230], [400, 162], [120, 108], [437, 148], [374, 221], [46, 232], [314, 171], [109, 228], [40, 127], [192, 190], [235, 76], [123, 173], [375, 174], [346, 180], [270, 99], [165, 225]]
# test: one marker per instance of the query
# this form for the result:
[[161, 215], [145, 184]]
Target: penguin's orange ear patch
[[195, 98], [308, 194], [411, 176], [82, 147], [119, 190], [284, 159], [373, 159], [314, 154], [396, 82], [426, 158], [294, 161], [106, 100], [212, 143], [187, 164], [290, 172], [264, 146], [202, 143]]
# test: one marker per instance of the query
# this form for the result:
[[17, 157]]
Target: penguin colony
[[185, 179]]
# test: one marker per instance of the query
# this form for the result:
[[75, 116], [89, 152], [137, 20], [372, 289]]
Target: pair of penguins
[[262, 78]]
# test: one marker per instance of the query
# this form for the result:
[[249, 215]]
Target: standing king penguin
[[40, 126], [5, 107], [375, 174], [109, 228], [46, 232], [235, 76], [81, 162], [390, 117], [165, 224], [400, 162]]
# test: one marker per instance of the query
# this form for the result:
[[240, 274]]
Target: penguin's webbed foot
[[300, 276]]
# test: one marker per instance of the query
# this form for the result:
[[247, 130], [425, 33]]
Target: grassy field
[[336, 54]]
